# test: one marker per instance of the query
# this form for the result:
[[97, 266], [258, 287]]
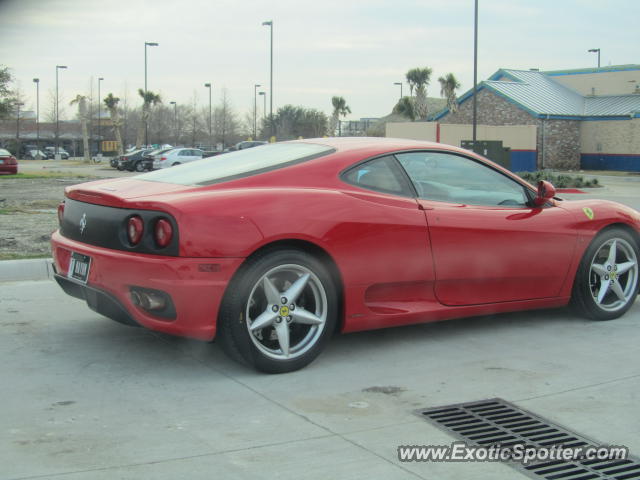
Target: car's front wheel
[[139, 167], [279, 312], [606, 284]]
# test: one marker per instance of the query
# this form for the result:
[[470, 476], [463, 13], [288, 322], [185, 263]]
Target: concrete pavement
[[86, 398]]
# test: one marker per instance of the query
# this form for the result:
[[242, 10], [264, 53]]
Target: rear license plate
[[79, 267], [1, 161]]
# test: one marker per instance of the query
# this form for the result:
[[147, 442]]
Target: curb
[[22, 270]]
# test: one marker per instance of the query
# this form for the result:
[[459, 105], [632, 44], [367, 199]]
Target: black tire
[[139, 167], [588, 282], [260, 349], [175, 163]]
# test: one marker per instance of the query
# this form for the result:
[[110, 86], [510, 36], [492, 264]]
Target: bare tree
[[50, 112], [226, 125]]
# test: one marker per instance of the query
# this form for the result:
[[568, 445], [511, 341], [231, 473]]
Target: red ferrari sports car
[[271, 250]]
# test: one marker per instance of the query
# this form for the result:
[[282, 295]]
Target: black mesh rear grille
[[106, 227]]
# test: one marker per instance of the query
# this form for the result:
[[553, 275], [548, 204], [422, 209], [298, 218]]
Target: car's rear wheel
[[175, 163], [606, 283], [139, 167], [279, 312]]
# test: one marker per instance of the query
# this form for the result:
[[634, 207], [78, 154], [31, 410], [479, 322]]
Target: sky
[[352, 48]]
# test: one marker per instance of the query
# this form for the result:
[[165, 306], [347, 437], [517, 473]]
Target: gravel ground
[[28, 214]]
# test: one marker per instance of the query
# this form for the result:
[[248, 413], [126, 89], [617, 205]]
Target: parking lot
[[84, 397]]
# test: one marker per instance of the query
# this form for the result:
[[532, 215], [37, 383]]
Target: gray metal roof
[[540, 94], [612, 105]]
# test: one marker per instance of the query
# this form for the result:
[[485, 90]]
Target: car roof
[[344, 147]]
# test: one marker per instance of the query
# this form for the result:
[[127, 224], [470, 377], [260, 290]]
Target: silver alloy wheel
[[613, 275], [286, 312]]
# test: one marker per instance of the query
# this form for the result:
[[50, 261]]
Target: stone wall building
[[570, 115]]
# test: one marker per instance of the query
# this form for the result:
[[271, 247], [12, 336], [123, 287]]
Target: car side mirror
[[546, 191]]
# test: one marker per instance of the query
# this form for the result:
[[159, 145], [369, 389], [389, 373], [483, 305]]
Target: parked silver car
[[176, 157]]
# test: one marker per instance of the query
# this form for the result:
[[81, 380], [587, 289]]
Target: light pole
[[175, 123], [475, 72], [595, 50], [264, 102], [270, 25], [208, 85], [255, 108], [18, 104], [399, 83], [99, 119], [37, 82], [58, 67], [146, 123]]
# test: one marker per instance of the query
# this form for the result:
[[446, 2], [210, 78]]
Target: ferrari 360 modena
[[272, 250]]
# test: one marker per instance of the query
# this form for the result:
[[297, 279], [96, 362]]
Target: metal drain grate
[[498, 422]]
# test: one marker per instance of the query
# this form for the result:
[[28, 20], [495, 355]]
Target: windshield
[[242, 163]]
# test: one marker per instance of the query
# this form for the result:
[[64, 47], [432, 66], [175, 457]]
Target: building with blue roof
[[587, 118]]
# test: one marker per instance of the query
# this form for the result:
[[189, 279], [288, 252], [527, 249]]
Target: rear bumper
[[196, 286], [97, 300], [8, 169]]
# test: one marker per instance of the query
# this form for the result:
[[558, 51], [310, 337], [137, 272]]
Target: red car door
[[488, 244]]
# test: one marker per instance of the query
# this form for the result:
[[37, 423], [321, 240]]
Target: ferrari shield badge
[[588, 212]]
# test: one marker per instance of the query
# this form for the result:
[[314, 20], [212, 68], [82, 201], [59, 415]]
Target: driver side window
[[453, 178]]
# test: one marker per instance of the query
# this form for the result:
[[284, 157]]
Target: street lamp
[[475, 73], [255, 107], [399, 83], [269, 23], [208, 85], [146, 124], [37, 82], [264, 102], [18, 104], [58, 67], [175, 123], [595, 50], [99, 138]]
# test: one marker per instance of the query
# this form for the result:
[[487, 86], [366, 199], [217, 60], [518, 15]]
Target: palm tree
[[340, 108], [406, 107], [448, 86], [83, 114], [149, 98], [419, 78], [112, 105]]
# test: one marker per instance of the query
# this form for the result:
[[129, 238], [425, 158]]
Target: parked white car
[[176, 157], [36, 155]]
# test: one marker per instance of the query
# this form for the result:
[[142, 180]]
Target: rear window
[[242, 163]]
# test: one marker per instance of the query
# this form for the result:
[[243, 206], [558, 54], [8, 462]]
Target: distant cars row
[[150, 159], [8, 163], [32, 152]]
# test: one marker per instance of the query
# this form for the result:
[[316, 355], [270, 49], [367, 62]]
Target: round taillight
[[60, 212], [163, 232], [135, 229]]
